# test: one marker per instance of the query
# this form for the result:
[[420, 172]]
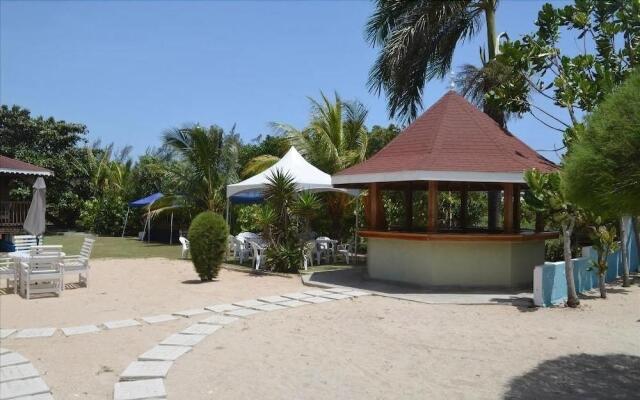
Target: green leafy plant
[[545, 195], [208, 235], [306, 207], [285, 257], [604, 242]]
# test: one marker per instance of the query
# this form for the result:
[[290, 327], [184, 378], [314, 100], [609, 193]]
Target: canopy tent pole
[[149, 223], [171, 230], [228, 201], [355, 243], [126, 218]]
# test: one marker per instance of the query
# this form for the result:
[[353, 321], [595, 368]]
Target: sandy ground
[[365, 348], [131, 288], [380, 348]]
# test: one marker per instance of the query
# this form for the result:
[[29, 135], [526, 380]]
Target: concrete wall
[[454, 263], [550, 284]]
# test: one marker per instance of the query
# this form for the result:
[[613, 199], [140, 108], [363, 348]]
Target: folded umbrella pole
[[35, 221]]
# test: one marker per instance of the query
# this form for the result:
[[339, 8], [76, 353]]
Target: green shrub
[[103, 215], [286, 257], [208, 235]]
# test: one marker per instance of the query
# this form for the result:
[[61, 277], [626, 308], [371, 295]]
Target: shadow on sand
[[579, 377]]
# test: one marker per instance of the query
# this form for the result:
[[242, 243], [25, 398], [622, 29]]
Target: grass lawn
[[115, 247]]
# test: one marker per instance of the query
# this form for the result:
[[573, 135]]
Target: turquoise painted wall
[[554, 284]]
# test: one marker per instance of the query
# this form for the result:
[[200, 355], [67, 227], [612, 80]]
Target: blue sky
[[129, 70]]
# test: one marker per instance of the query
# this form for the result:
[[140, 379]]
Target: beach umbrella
[[34, 223]]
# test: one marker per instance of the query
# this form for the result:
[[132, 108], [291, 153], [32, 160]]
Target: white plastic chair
[[325, 249], [79, 264], [258, 253], [343, 250], [41, 274], [308, 250], [185, 246], [242, 249], [8, 272], [25, 242]]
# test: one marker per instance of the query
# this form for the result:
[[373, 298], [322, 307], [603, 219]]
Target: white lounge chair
[[79, 264], [8, 272], [185, 246], [25, 242], [41, 274]]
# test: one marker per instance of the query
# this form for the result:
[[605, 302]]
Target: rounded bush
[[208, 235]]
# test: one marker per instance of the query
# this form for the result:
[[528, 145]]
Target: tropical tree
[[335, 138], [211, 158], [306, 207], [602, 170], [280, 194], [545, 195], [604, 241], [417, 40]]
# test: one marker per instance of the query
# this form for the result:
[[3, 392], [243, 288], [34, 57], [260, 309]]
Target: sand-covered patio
[[359, 348]]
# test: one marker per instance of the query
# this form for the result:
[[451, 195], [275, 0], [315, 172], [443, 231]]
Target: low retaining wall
[[549, 280]]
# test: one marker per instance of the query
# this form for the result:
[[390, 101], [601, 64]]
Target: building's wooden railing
[[13, 213]]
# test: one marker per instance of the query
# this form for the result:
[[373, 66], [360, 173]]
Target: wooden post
[[539, 222], [376, 207], [516, 208], [408, 209], [464, 204], [493, 199], [508, 208], [432, 212]]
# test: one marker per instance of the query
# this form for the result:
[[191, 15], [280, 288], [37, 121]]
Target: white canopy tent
[[305, 175]]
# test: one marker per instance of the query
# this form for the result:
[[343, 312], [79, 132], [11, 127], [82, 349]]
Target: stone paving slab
[[3, 350], [293, 303], [12, 359], [139, 390], [178, 339], [316, 292], [5, 333], [357, 293], [337, 296], [218, 320], [164, 353], [20, 371], [156, 319], [270, 307], [317, 300], [146, 370], [220, 308], [273, 299], [249, 303], [201, 329], [79, 330], [35, 333], [296, 296], [24, 387], [191, 313], [339, 289], [43, 396], [243, 312], [123, 323]]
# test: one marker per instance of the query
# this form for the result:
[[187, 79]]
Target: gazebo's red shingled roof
[[453, 135], [13, 166]]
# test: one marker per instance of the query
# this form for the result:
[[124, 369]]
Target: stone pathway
[[144, 378], [19, 379]]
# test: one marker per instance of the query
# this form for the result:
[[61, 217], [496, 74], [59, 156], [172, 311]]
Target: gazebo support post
[[432, 212], [464, 202], [508, 208], [493, 199], [408, 208], [377, 209], [516, 208]]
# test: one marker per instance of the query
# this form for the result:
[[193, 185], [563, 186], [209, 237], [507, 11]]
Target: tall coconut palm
[[417, 40]]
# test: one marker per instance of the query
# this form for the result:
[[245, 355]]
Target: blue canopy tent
[[146, 202]]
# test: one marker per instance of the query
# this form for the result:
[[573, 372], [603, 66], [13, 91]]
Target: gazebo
[[452, 147]]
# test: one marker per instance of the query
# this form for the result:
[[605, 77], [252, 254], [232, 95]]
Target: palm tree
[[336, 138], [418, 39], [210, 162]]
